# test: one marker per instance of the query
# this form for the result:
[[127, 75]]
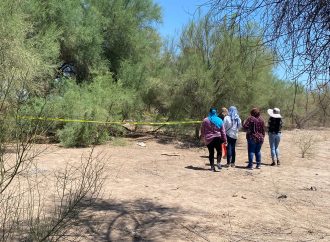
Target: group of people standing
[[218, 129]]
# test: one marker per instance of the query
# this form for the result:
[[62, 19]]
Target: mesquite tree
[[298, 31]]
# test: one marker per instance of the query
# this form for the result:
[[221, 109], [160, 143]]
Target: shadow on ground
[[138, 220], [196, 168], [179, 143], [241, 167]]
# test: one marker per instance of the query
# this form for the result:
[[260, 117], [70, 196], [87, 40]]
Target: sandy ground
[[165, 191]]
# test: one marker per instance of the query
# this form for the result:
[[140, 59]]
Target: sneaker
[[213, 168], [219, 166], [249, 167], [273, 163], [278, 162], [258, 167], [232, 165]]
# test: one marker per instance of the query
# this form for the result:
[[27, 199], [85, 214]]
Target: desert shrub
[[82, 134], [119, 102], [306, 142], [102, 100]]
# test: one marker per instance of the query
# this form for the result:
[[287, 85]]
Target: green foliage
[[83, 134], [218, 68], [128, 30], [95, 36], [77, 31], [101, 100], [123, 75], [25, 64], [23, 67]]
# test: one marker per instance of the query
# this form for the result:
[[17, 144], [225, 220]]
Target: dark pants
[[231, 150], [215, 143]]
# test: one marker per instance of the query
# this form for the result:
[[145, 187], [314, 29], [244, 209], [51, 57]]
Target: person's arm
[[263, 128], [203, 130], [246, 124], [226, 123], [239, 123], [223, 134]]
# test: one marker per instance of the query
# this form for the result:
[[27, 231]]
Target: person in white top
[[232, 124]]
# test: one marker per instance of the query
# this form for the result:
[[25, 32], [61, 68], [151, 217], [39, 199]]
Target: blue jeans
[[274, 141], [254, 149], [231, 152]]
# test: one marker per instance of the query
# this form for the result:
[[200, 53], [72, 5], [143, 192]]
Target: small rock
[[283, 196], [142, 144], [243, 197], [313, 188], [235, 195]]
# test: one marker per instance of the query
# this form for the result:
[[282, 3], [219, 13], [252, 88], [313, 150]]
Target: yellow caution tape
[[108, 122]]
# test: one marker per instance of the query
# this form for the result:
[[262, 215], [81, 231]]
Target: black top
[[274, 125], [222, 116]]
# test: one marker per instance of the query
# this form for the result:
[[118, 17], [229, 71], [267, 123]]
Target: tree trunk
[[197, 128]]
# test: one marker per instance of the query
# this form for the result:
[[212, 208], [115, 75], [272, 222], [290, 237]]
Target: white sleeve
[[239, 125], [226, 123]]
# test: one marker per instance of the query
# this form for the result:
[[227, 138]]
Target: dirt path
[[165, 192]]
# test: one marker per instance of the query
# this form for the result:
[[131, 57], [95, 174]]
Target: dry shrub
[[36, 204], [39, 205], [306, 142]]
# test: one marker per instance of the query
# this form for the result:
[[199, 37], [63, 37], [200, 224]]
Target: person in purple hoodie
[[213, 134]]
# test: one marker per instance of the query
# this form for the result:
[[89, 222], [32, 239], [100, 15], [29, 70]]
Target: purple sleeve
[[247, 123], [202, 130]]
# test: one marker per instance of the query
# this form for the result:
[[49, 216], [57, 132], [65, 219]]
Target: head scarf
[[233, 113], [213, 117]]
